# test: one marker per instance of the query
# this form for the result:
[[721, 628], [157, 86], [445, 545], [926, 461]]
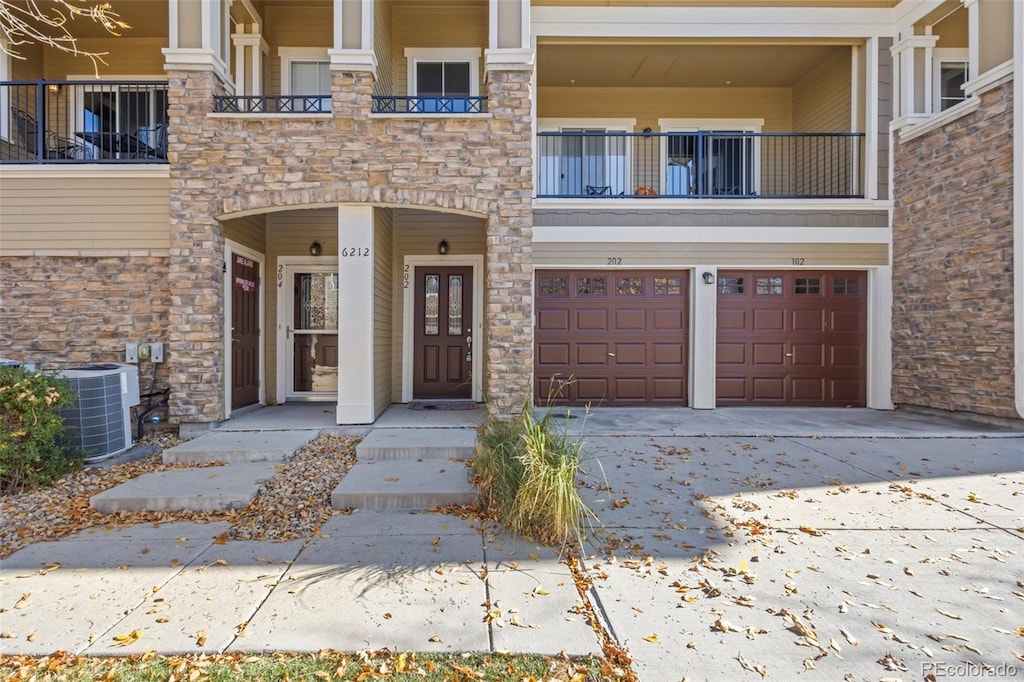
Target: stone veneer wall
[[222, 165], [953, 264], [63, 310]]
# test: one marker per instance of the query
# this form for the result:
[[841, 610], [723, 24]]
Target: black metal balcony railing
[[272, 104], [399, 104], [700, 165], [83, 122]]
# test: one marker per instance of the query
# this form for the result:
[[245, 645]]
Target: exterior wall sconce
[[54, 88], [647, 130], [315, 249], [442, 247], [709, 277]]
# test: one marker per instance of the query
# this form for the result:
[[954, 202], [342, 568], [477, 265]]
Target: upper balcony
[[687, 119]]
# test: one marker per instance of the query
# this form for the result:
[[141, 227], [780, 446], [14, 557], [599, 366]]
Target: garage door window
[[808, 285], [592, 286], [667, 286], [769, 286], [629, 286], [730, 285], [845, 287], [553, 286]]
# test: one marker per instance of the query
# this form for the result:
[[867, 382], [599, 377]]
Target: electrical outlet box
[[156, 352], [143, 351], [131, 353]]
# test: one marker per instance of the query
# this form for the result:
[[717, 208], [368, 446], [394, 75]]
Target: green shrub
[[32, 442], [526, 471]]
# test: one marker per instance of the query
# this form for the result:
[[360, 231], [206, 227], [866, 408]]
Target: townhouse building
[[666, 203]]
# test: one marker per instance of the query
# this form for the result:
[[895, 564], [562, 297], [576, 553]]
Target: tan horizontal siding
[[84, 213], [418, 233], [685, 255], [293, 26], [127, 57], [435, 25], [250, 232], [647, 105], [383, 293]]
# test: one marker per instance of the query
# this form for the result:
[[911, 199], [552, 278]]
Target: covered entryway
[[619, 337], [792, 338]]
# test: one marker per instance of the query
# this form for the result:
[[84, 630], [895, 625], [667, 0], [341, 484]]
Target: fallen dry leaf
[[754, 668], [653, 639]]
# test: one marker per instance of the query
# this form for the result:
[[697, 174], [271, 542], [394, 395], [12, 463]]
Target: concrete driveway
[[727, 557]]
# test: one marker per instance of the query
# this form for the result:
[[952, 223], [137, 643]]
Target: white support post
[[879, 351], [355, 316], [973, 39], [366, 32], [704, 299], [871, 96], [339, 24]]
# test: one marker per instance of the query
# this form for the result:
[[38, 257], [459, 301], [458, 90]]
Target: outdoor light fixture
[[647, 130], [709, 277], [442, 247], [315, 249], [54, 88]]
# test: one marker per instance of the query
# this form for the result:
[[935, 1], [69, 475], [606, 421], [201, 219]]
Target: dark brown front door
[[442, 335], [617, 337], [245, 332], [792, 338]]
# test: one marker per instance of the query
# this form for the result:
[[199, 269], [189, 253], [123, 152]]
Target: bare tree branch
[[46, 22]]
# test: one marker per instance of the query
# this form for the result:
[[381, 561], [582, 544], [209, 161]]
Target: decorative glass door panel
[[315, 333], [442, 335]]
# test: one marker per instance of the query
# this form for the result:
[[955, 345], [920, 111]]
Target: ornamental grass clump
[[526, 470], [32, 433]]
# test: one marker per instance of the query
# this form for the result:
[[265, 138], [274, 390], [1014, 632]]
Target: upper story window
[[307, 72], [950, 74], [443, 79]]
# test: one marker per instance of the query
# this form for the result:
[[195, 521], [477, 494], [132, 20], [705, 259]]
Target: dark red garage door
[[792, 338], [620, 337]]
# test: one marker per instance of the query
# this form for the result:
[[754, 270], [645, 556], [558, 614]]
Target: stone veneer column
[[509, 305], [196, 337]]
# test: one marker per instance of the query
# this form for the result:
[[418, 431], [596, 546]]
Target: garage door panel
[[667, 354], [808, 355], [808, 320], [769, 320], [631, 388], [591, 319], [809, 390], [768, 388], [622, 335], [591, 388], [732, 353], [553, 354], [669, 390], [847, 355], [632, 320], [591, 354], [668, 320], [556, 319], [630, 354], [732, 319], [847, 321], [768, 354], [792, 337]]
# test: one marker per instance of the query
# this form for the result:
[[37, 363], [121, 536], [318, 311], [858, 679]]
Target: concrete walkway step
[[404, 485], [417, 444], [199, 489], [238, 447]]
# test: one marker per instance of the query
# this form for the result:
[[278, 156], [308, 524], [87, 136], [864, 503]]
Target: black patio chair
[[53, 147]]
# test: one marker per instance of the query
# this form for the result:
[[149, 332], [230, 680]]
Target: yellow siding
[[435, 25], [86, 212], [647, 105], [382, 20], [290, 234], [310, 26], [821, 99], [665, 255], [128, 57], [416, 233], [382, 310], [250, 232], [953, 30]]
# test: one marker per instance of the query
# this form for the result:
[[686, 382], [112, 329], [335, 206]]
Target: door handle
[[288, 331], [611, 355], [789, 355]]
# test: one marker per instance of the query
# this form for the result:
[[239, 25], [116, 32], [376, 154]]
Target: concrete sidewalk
[[871, 557]]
